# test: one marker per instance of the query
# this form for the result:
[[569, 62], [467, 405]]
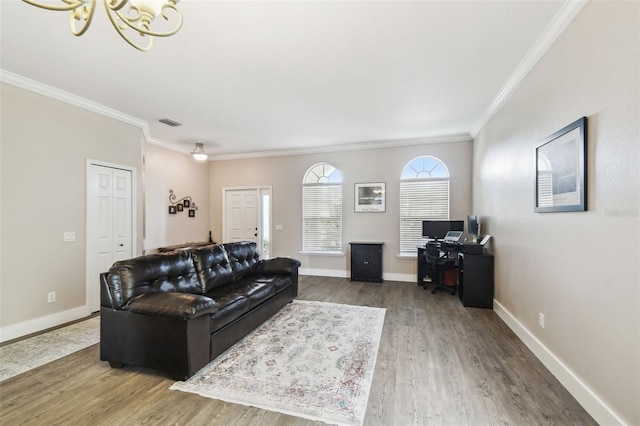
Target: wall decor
[[370, 197], [178, 205], [561, 170]]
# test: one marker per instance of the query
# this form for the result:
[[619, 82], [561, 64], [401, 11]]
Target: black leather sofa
[[177, 311]]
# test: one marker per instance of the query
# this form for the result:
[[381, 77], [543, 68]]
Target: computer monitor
[[456, 225], [438, 228], [472, 224]]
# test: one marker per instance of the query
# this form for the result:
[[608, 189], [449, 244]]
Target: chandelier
[[199, 152], [134, 15]]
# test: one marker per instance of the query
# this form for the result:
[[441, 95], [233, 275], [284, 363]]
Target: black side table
[[366, 261]]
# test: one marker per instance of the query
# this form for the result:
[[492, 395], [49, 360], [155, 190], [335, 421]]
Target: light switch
[[69, 237], [279, 227]]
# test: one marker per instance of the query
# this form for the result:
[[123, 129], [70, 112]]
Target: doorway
[[247, 217], [110, 222]]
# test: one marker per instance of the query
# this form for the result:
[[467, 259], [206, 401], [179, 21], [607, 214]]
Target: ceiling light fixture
[[198, 153], [136, 15]]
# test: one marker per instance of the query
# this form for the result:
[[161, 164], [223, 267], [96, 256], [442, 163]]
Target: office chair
[[439, 263]]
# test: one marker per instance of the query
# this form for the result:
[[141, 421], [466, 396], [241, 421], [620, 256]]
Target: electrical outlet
[[541, 320], [69, 237], [51, 297]]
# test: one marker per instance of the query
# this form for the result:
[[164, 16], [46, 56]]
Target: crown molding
[[561, 21], [392, 143], [69, 98]]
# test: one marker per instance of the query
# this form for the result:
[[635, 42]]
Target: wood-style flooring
[[438, 364]]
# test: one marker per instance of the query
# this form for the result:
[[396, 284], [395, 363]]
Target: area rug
[[24, 355], [312, 359]]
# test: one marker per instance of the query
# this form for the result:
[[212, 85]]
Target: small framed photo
[[561, 170], [172, 209], [180, 207], [192, 213], [370, 197], [186, 203]]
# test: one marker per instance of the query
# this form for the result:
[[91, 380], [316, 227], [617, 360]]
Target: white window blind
[[322, 209], [424, 195], [322, 218]]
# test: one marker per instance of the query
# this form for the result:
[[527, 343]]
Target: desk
[[475, 278]]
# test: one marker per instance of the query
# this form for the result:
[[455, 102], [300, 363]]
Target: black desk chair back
[[439, 262]]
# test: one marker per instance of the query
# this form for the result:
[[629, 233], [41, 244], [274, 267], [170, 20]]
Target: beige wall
[[164, 170], [285, 175], [579, 269], [45, 145]]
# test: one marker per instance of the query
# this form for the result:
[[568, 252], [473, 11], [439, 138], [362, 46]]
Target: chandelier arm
[[70, 5], [120, 28], [141, 21], [82, 15]]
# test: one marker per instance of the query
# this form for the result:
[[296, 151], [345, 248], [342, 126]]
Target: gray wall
[[285, 175], [164, 170], [579, 269], [45, 145]]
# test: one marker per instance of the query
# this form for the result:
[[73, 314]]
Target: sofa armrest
[[173, 305], [278, 265]]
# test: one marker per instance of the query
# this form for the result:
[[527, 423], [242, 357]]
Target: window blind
[[420, 199], [322, 218]]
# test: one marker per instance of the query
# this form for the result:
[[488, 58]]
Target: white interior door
[[109, 223], [241, 215]]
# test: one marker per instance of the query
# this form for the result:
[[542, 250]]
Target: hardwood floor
[[438, 364]]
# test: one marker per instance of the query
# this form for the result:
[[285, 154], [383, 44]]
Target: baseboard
[[336, 273], [38, 324], [409, 278], [596, 407]]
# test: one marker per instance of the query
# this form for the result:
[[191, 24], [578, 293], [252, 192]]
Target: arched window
[[322, 209], [424, 195]]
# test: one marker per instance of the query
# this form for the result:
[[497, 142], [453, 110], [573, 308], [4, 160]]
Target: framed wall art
[[370, 197], [561, 170]]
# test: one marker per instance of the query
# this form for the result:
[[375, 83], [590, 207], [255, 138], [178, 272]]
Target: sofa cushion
[[213, 267], [232, 305], [174, 305], [256, 292], [161, 272], [244, 258], [278, 282]]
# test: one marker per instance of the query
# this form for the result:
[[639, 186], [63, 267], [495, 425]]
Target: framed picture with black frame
[[561, 170]]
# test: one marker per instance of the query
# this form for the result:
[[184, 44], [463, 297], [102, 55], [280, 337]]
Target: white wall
[[579, 269], [373, 165], [164, 170], [45, 145]]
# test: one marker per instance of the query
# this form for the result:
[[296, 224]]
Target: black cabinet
[[475, 281], [366, 261]]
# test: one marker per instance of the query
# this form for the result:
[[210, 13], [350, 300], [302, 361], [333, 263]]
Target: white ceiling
[[248, 78]]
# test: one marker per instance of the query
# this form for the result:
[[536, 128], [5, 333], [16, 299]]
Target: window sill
[[406, 256], [322, 253]]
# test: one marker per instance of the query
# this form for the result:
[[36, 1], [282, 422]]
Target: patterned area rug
[[312, 359], [33, 352]]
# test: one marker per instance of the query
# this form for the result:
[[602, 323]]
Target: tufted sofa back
[[213, 266], [162, 272], [191, 271], [244, 258]]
